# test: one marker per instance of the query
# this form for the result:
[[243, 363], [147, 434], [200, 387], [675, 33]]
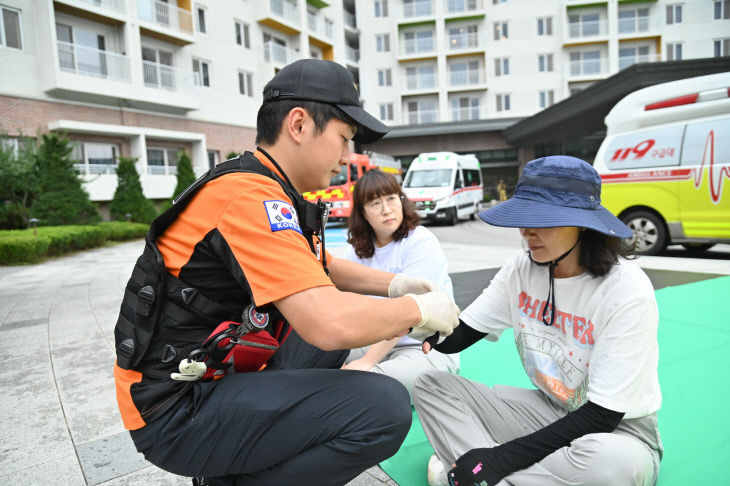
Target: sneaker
[[436, 472]]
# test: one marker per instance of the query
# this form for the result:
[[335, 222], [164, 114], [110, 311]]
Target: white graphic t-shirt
[[602, 346]]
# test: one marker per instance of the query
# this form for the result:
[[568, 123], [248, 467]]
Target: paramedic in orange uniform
[[238, 241]]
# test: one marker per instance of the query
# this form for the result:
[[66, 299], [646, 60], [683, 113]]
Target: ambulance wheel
[[698, 246], [453, 217], [650, 235]]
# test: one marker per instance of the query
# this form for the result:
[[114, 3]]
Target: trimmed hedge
[[22, 246]]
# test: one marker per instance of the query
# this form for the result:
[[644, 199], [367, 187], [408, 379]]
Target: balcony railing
[[626, 61], [95, 169], [285, 10], [79, 59], [420, 116], [639, 25], [350, 19], [279, 54], [162, 169], [463, 114], [462, 6], [417, 82], [411, 47], [117, 5], [459, 42], [587, 29], [318, 26], [419, 8], [166, 15], [352, 54], [587, 67], [465, 77], [170, 78]]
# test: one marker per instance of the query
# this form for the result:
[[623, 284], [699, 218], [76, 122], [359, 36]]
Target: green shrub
[[185, 175], [128, 196], [22, 246]]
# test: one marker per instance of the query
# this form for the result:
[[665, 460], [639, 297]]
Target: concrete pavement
[[59, 423]]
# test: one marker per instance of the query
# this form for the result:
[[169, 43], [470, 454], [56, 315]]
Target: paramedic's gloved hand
[[439, 315], [403, 284], [473, 468]]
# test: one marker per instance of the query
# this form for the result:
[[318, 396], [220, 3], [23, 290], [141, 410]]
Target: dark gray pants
[[293, 423]]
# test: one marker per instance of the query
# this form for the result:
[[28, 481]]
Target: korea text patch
[[282, 216]]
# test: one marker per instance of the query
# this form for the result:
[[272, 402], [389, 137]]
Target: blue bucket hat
[[557, 191]]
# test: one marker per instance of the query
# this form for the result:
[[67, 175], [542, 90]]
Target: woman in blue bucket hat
[[585, 324]]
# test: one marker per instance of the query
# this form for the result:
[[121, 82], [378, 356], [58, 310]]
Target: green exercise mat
[[694, 334]]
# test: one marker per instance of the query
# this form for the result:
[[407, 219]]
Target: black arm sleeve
[[503, 460], [462, 337]]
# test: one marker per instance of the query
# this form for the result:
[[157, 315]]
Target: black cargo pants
[[295, 423]]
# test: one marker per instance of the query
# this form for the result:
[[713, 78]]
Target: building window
[[503, 102], [421, 77], [200, 20], [547, 98], [202, 70], [382, 42], [585, 25], [95, 158], [213, 158], [245, 83], [10, 33], [674, 51], [496, 2], [545, 26], [420, 41], [722, 47], [157, 68], [500, 31], [242, 34], [417, 8], [722, 9], [631, 55], [329, 28], [501, 66], [424, 111], [381, 8], [545, 63], [630, 21], [585, 63], [465, 108], [386, 111], [161, 161], [384, 77], [463, 73], [674, 14], [463, 37]]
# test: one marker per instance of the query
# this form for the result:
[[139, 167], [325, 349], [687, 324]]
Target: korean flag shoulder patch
[[282, 216]]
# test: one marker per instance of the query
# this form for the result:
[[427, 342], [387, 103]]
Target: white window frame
[[213, 158], [381, 8], [204, 72], [723, 45], [472, 108], [382, 42], [200, 9], [544, 26], [674, 51], [83, 166], [547, 98], [386, 111], [672, 12], [241, 29], [724, 10], [167, 168], [385, 77], [502, 102], [545, 63], [3, 40], [245, 83], [501, 66], [501, 30]]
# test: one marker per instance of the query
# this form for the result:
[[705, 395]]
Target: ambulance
[[445, 186], [339, 193], [665, 163]]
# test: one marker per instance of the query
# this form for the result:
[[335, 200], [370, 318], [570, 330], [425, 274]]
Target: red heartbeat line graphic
[[715, 177]]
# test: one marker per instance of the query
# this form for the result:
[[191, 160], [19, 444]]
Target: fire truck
[[339, 193]]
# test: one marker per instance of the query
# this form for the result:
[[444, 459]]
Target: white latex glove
[[438, 314], [403, 284]]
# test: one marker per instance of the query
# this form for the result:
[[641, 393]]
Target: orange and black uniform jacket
[[223, 244]]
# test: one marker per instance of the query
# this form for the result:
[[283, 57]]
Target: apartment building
[[149, 78]]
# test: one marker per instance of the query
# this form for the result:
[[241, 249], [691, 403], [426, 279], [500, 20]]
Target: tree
[[185, 174], [19, 183], [128, 197], [62, 198], [231, 155]]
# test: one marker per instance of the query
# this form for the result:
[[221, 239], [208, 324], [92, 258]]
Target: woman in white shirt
[[585, 326], [384, 233]]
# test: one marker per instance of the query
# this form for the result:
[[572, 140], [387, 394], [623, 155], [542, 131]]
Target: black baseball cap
[[326, 82]]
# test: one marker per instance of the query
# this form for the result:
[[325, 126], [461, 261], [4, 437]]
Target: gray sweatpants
[[458, 415], [406, 363]]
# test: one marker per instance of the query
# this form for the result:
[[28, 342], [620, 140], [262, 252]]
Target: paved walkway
[[59, 422]]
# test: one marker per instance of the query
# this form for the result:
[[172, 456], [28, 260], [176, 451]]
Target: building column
[[138, 150]]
